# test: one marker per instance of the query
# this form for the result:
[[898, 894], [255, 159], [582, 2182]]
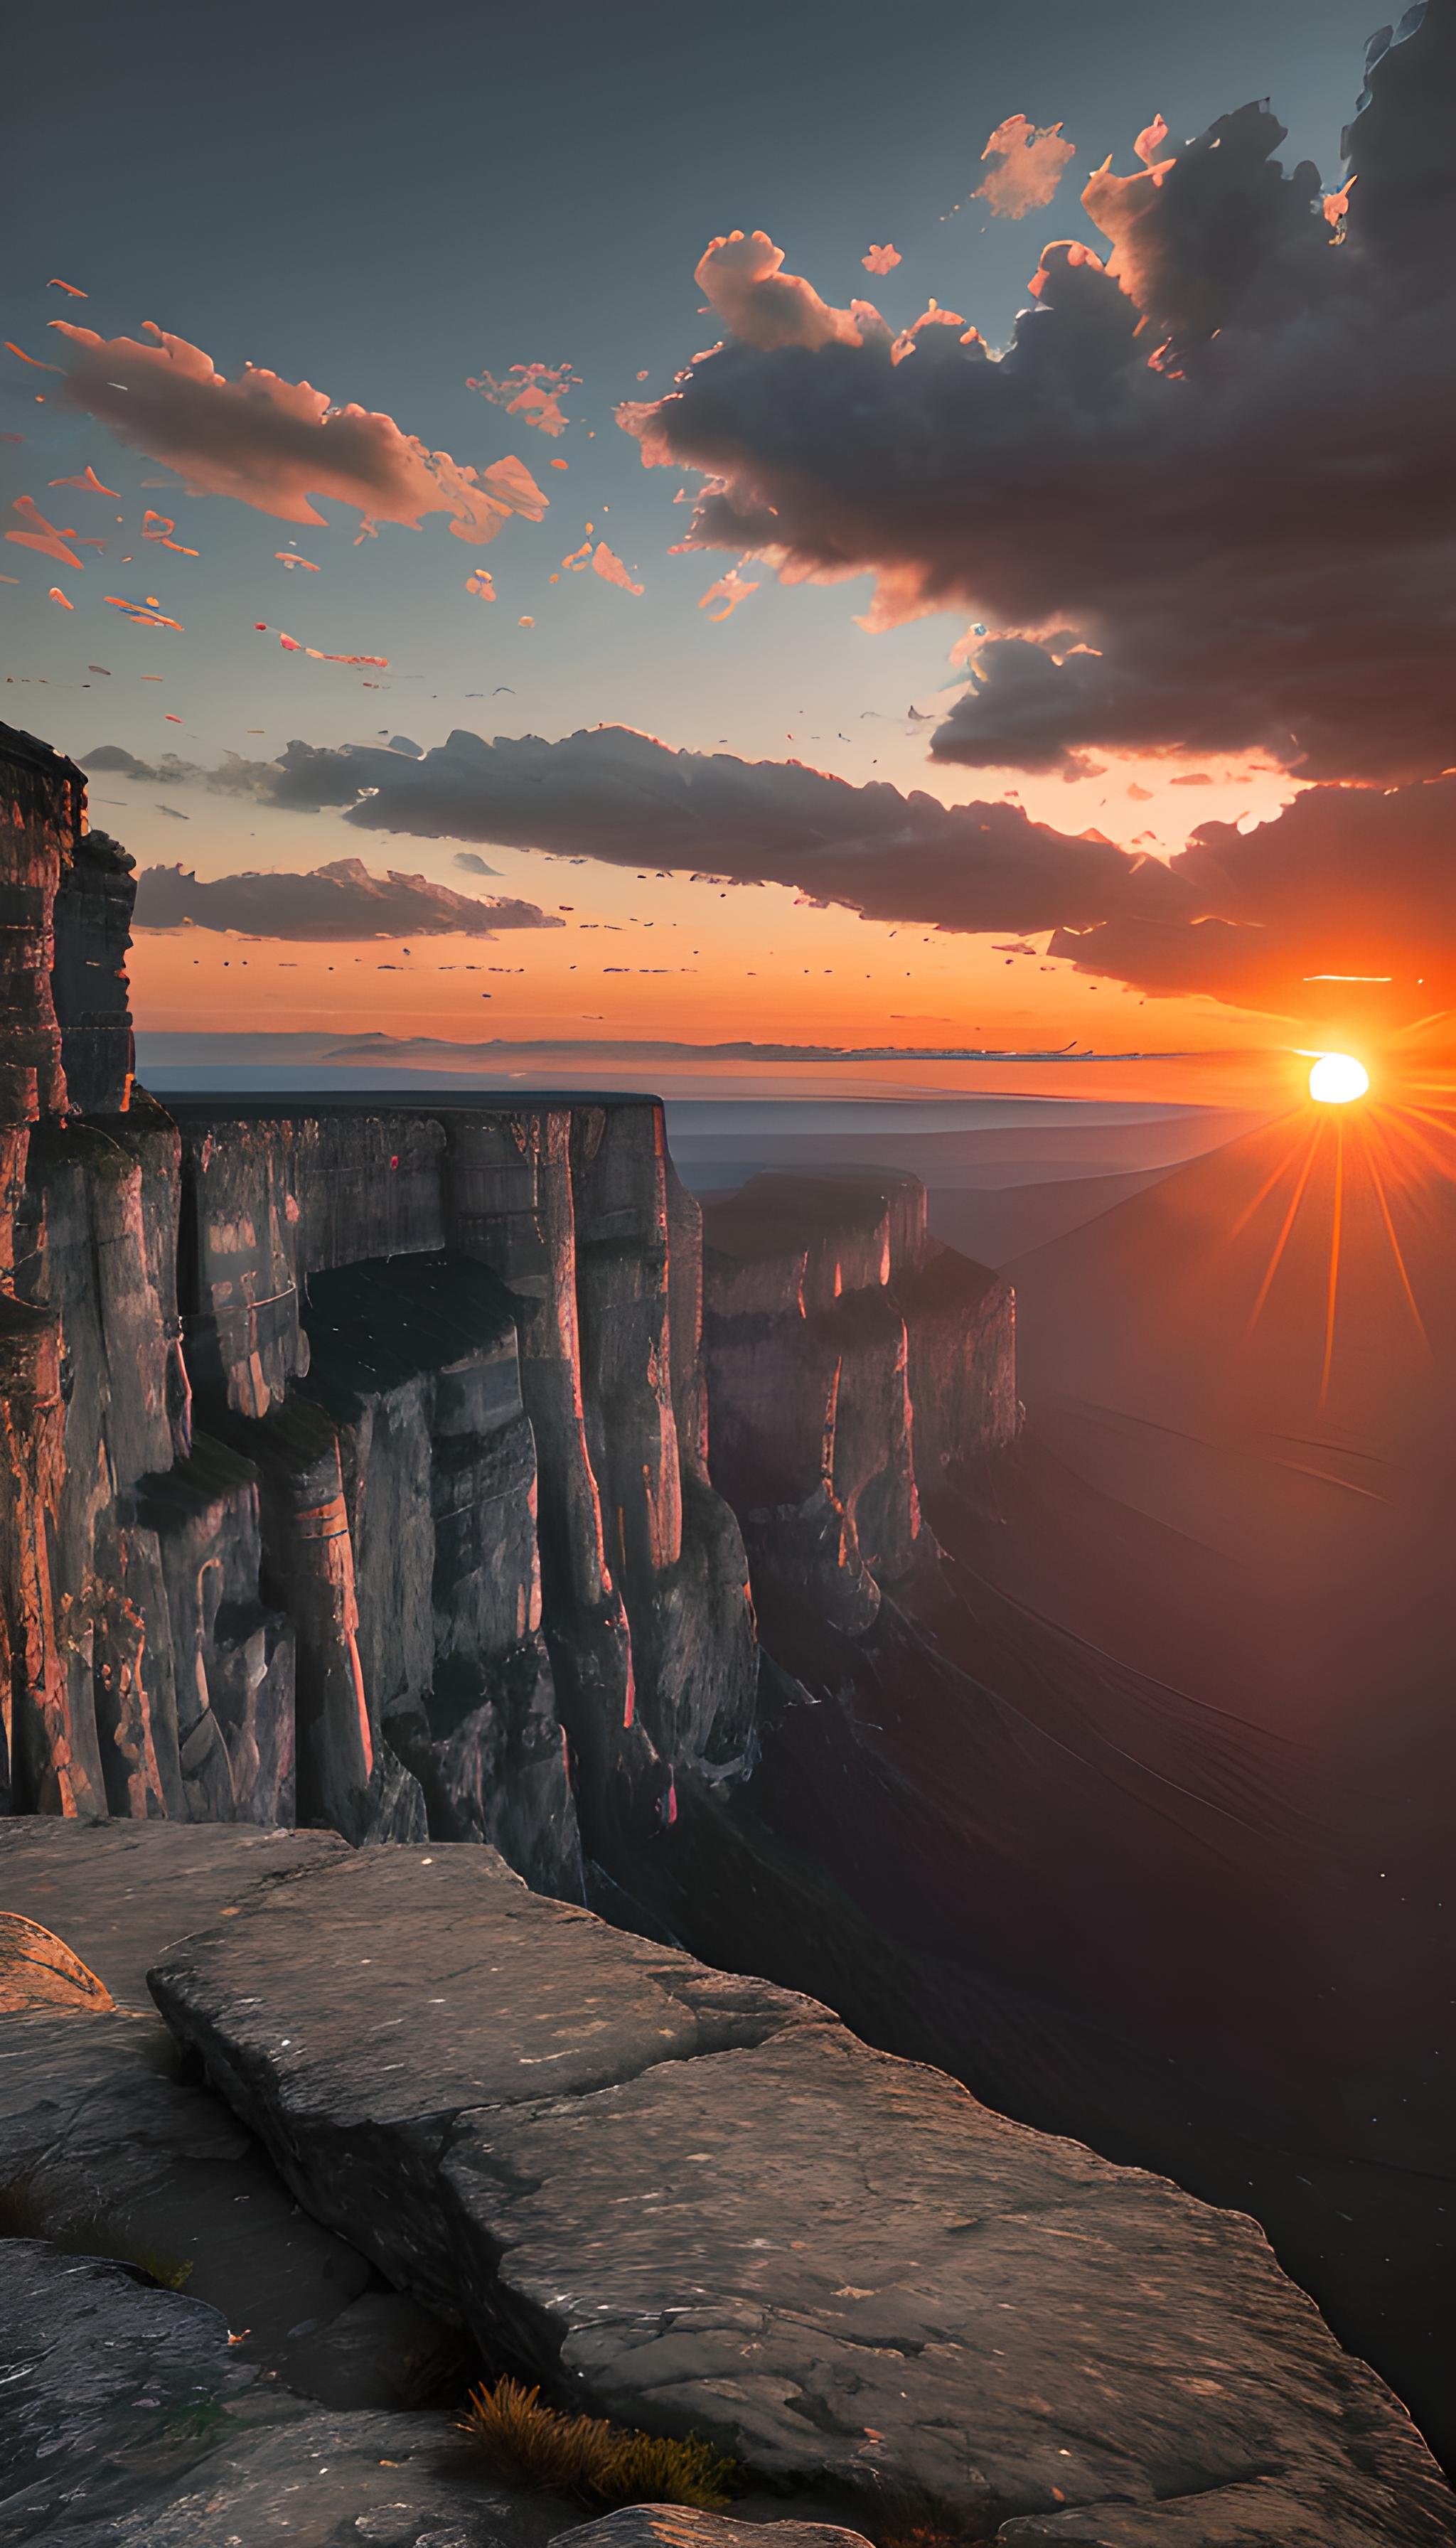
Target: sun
[[1337, 1078]]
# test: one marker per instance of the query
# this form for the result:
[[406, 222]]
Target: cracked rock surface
[[695, 2202]]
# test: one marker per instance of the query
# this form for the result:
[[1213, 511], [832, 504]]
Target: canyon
[[440, 1475], [357, 1458]]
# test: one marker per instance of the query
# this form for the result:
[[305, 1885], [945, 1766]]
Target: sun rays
[[1368, 1167]]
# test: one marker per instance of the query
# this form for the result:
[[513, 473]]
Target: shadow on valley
[[1131, 1806]]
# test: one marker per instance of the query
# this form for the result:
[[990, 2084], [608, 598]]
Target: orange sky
[[681, 960]]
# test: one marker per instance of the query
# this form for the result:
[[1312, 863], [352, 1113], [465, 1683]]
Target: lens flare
[[1337, 1078]]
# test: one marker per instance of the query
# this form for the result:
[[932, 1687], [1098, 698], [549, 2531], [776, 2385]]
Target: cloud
[[729, 590], [274, 444], [743, 281], [1347, 882], [621, 797], [1218, 458], [339, 901], [40, 535], [881, 260], [533, 392], [1026, 165], [609, 567]]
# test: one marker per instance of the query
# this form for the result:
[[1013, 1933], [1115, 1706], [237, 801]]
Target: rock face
[[355, 1455], [849, 1359], [353, 1464], [694, 2202]]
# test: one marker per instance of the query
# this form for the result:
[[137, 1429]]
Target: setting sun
[[1336, 1078]]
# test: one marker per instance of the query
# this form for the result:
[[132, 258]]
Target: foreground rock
[[130, 2422], [106, 2148], [695, 2202], [671, 2525]]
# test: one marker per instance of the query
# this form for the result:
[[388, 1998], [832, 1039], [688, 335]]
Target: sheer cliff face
[[851, 1359], [362, 1464]]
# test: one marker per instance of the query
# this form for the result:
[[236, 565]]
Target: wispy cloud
[[275, 445]]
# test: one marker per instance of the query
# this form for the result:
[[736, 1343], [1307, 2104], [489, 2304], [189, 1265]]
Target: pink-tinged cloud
[[88, 481], [1347, 886], [158, 527], [42, 535], [533, 392], [730, 589], [607, 564], [275, 445], [1336, 205], [1151, 141], [145, 614], [743, 280], [55, 285], [482, 584], [1257, 535], [57, 596], [880, 260], [1025, 163], [36, 366]]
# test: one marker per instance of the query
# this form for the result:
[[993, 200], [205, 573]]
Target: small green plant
[[532, 2444], [172, 2272], [646, 2468]]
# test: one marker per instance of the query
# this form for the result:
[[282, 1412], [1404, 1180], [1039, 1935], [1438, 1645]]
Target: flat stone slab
[[695, 2202], [118, 1893]]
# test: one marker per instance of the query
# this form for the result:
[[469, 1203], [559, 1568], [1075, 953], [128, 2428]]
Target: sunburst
[[1355, 1139]]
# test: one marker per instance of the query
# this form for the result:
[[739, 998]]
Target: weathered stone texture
[[692, 2200], [851, 1359]]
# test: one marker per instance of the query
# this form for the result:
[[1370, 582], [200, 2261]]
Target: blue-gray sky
[[386, 204]]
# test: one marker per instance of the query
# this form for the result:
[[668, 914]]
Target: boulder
[[694, 2202]]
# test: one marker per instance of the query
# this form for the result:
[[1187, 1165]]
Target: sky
[[1153, 542]]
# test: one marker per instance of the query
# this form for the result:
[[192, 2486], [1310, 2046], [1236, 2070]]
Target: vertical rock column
[[509, 1204], [673, 1542], [620, 1211], [36, 1756], [41, 812], [309, 1558]]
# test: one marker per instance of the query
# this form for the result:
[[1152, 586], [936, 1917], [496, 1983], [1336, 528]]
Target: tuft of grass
[[531, 2444], [646, 2468], [172, 2272]]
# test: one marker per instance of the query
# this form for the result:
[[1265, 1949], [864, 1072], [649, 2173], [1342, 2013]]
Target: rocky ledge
[[695, 2202]]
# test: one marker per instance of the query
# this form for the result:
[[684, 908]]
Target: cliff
[[851, 1359], [356, 1467], [676, 2195]]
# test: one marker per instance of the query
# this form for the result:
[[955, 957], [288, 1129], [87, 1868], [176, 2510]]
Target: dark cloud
[[1347, 883], [1220, 459], [340, 901], [620, 795]]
